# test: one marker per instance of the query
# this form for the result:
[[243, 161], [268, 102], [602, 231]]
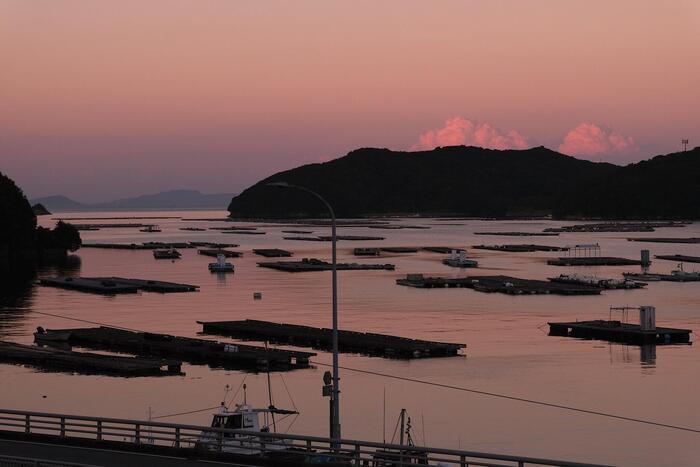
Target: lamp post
[[335, 392]]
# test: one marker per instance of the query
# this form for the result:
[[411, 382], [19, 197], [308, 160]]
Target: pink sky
[[107, 99]]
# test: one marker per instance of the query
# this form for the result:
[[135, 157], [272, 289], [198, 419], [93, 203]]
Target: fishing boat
[[170, 253], [41, 335], [458, 259], [221, 265], [150, 229], [404, 456], [682, 275]]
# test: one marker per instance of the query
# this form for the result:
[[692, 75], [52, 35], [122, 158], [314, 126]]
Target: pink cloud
[[592, 141], [461, 131]]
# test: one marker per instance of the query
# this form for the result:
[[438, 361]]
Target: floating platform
[[272, 253], [520, 248], [193, 229], [198, 351], [298, 231], [679, 258], [617, 331], [243, 232], [234, 228], [445, 250], [366, 251], [115, 285], [498, 284], [313, 264], [49, 358], [109, 226], [138, 246], [321, 338], [216, 252], [520, 234], [216, 245], [399, 249], [665, 239], [398, 227], [616, 227], [593, 261], [328, 238]]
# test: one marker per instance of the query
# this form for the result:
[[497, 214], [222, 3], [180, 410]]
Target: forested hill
[[473, 181]]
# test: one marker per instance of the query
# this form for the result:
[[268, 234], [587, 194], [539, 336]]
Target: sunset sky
[[110, 99]]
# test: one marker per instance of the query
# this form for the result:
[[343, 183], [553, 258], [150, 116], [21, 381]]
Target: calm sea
[[508, 349]]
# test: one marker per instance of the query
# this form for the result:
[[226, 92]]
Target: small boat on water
[[626, 283], [170, 253], [458, 259], [150, 229], [683, 275], [41, 335], [221, 265]]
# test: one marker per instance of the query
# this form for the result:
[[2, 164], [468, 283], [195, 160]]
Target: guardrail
[[305, 449], [11, 461]]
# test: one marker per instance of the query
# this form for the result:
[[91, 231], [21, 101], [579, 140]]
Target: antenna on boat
[[245, 394], [269, 394]]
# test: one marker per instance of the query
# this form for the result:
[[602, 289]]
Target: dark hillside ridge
[[471, 181]]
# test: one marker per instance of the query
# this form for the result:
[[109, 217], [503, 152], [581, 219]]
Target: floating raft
[[366, 251], [233, 228], [48, 358], [115, 285], [243, 232], [520, 248], [665, 239], [321, 338], [520, 234], [137, 246], [616, 227], [593, 261], [399, 249], [501, 284], [617, 331], [298, 231], [198, 351], [216, 252], [328, 238], [108, 226], [272, 252], [679, 258], [445, 250], [312, 264]]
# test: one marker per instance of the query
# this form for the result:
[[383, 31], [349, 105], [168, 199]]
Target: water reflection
[[17, 288]]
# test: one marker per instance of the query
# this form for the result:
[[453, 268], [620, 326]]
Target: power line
[[440, 385], [519, 399]]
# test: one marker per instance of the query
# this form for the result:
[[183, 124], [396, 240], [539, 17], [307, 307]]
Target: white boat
[[684, 275], [221, 265], [458, 259]]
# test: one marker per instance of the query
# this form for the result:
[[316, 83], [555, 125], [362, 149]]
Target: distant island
[[20, 238], [478, 182], [174, 199]]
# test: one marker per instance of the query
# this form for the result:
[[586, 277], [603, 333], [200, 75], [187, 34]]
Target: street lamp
[[335, 393]]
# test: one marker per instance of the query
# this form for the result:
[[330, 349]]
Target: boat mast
[[269, 395]]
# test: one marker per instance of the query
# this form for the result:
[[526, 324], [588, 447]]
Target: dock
[[382, 345], [197, 351], [49, 358], [272, 252], [115, 285], [313, 264], [665, 239], [498, 284], [679, 258], [214, 252], [593, 261], [617, 331], [520, 248]]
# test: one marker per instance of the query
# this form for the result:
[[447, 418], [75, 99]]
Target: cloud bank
[[591, 141], [462, 131]]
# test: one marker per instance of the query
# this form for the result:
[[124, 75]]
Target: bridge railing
[[310, 449]]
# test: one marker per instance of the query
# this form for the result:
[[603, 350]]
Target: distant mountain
[[479, 182], [175, 199]]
